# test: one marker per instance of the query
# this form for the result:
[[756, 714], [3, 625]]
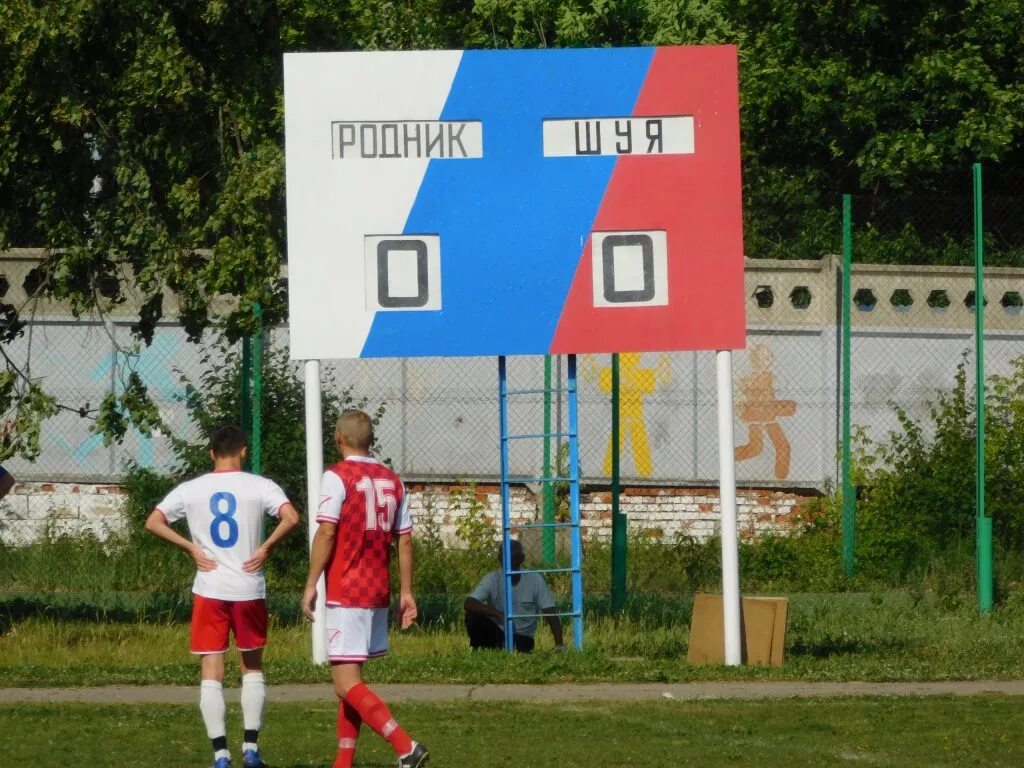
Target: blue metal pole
[[506, 506], [574, 509]]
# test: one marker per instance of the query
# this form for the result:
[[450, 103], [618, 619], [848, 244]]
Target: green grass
[[874, 731], [831, 637]]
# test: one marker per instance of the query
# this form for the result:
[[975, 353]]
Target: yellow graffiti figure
[[761, 409], [635, 383]]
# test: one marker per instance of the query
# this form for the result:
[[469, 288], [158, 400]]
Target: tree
[[143, 141], [143, 148]]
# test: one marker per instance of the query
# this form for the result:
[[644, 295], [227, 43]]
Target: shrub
[[919, 497]]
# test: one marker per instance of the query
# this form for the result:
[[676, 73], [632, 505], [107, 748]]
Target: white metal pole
[[727, 498], [314, 472]]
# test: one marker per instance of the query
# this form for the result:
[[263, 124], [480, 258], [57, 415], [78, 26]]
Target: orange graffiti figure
[[762, 410], [634, 384]]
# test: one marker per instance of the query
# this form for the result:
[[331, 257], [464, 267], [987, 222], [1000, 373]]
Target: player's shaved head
[[227, 440], [355, 429]]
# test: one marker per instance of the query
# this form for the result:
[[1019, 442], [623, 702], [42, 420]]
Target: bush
[[919, 497]]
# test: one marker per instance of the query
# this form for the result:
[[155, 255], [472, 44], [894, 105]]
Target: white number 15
[[381, 502]]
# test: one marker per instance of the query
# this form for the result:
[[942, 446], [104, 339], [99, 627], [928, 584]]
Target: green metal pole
[[848, 494], [246, 414], [618, 519], [257, 392], [984, 526], [548, 492]]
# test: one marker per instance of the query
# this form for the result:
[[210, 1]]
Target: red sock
[[348, 731], [375, 714]]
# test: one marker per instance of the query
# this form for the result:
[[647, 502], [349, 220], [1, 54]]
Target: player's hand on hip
[[203, 561], [407, 610], [309, 603], [255, 563]]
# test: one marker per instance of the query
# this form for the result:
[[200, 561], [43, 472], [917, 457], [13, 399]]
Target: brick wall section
[[32, 508]]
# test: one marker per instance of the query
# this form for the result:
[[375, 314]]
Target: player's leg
[[348, 725], [254, 698], [358, 634], [249, 620], [343, 633], [210, 628]]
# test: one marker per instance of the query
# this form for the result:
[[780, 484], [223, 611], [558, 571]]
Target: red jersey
[[367, 502]]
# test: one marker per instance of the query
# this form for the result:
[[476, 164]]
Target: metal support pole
[[548, 491], [619, 528], [246, 394], [506, 505], [314, 473], [984, 522], [727, 498], [574, 506], [257, 392], [849, 496]]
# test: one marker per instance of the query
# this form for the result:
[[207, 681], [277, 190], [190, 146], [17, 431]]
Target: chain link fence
[[911, 331]]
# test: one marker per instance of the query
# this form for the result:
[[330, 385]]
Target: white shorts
[[356, 634]]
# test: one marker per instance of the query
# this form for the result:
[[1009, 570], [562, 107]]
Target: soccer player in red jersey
[[363, 507], [225, 511]]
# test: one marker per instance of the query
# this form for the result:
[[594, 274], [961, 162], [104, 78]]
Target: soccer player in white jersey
[[225, 510]]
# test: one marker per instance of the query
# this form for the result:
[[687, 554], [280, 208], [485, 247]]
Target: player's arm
[[319, 556], [406, 601], [156, 524], [556, 627], [288, 519]]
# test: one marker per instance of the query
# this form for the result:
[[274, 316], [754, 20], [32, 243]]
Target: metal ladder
[[507, 527]]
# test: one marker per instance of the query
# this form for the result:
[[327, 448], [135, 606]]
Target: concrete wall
[[440, 421]]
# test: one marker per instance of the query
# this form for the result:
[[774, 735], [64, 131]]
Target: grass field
[[875, 732], [832, 637]]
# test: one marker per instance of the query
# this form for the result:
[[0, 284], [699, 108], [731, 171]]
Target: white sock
[[254, 696], [211, 704]]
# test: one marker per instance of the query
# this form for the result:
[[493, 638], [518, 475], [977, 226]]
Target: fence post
[[848, 494], [547, 493], [618, 519], [257, 392], [246, 394], [984, 522]]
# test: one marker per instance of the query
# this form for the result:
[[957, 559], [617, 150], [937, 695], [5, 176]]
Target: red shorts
[[213, 620]]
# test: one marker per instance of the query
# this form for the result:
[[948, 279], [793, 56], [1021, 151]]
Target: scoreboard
[[513, 202]]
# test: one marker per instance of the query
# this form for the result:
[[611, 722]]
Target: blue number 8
[[220, 518]]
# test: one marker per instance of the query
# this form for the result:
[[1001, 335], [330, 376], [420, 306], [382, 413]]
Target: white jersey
[[225, 517]]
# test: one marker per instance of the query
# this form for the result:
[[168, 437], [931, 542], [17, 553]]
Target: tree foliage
[[143, 141]]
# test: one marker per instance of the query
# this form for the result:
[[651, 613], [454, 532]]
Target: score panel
[[513, 202]]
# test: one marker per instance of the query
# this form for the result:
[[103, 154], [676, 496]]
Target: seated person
[[485, 607]]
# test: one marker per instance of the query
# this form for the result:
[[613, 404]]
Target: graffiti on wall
[[635, 383], [762, 411]]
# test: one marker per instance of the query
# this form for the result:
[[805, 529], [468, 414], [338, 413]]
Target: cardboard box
[[762, 629]]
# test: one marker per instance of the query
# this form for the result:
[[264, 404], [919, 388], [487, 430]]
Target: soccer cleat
[[415, 759], [251, 759], [222, 762]]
